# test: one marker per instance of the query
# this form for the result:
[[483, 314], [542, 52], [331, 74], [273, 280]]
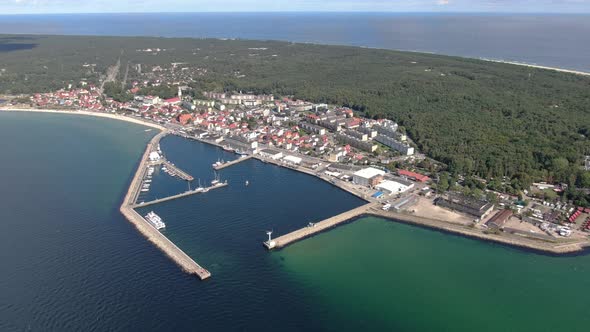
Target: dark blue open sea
[[559, 40], [71, 262]]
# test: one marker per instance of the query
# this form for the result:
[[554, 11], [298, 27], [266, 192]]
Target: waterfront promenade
[[150, 232]]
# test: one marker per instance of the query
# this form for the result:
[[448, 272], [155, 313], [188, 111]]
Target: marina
[[150, 228]]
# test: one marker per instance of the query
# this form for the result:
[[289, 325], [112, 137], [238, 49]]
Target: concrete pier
[[233, 162], [323, 225], [184, 194], [150, 232], [175, 171]]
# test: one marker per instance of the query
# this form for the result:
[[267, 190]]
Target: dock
[[149, 231], [175, 171], [233, 162], [312, 229], [184, 194]]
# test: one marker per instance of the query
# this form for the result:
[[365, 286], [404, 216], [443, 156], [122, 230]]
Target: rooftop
[[368, 173]]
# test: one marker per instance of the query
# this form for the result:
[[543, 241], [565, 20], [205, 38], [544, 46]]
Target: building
[[587, 163], [200, 133], [357, 134], [387, 128], [413, 176], [394, 186], [367, 146], [154, 156], [312, 128], [461, 203], [368, 177], [394, 144], [499, 219], [272, 154], [372, 133], [292, 160]]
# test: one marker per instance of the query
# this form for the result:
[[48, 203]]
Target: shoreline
[[524, 64], [147, 230], [481, 58], [514, 241], [559, 249], [88, 113]]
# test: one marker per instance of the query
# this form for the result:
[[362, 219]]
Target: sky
[[104, 6]]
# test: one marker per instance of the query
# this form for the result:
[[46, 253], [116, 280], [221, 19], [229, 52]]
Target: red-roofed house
[[172, 101], [413, 176], [185, 118]]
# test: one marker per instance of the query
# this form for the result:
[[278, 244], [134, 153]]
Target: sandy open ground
[[426, 208]]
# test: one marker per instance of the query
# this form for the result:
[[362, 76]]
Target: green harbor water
[[375, 274]]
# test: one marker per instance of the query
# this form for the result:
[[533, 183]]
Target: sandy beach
[[569, 71], [96, 114]]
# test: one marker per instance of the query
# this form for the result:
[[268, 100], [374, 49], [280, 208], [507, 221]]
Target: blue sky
[[98, 6]]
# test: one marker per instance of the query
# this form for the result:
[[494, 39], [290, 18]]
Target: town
[[371, 158]]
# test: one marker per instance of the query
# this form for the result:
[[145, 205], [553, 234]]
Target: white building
[[154, 156], [364, 176], [394, 187], [272, 154], [292, 160]]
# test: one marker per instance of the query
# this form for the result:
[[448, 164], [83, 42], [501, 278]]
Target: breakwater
[[151, 233], [314, 228]]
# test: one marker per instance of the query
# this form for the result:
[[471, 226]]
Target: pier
[[184, 194], [323, 225], [175, 171], [149, 231], [233, 162]]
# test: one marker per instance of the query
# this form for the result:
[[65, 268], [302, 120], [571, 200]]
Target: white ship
[[155, 220]]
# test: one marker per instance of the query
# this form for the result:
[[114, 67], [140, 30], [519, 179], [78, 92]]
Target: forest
[[485, 119]]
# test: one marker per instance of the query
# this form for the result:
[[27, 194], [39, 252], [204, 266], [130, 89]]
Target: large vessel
[[155, 220]]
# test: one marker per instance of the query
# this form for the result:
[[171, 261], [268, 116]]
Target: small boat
[[247, 183], [216, 181]]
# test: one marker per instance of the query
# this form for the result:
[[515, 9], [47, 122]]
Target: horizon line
[[307, 12]]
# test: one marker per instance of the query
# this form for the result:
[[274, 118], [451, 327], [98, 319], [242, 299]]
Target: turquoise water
[[395, 277], [71, 262]]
